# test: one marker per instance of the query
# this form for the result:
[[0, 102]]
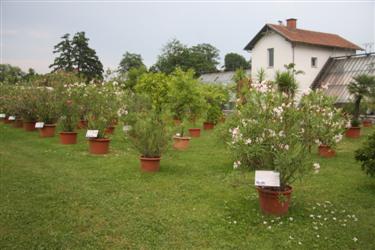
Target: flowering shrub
[[326, 125], [77, 91], [366, 155], [10, 100], [104, 102], [47, 104], [28, 103], [269, 136]]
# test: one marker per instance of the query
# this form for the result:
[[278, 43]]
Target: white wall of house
[[284, 53]]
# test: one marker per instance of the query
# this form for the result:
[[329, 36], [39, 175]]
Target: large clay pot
[[48, 130], [82, 124], [68, 137], [17, 123], [270, 201], [99, 146], [353, 132], [326, 151], [208, 125], [109, 130], [195, 132], [29, 126], [6, 120], [367, 123], [150, 164], [181, 143]]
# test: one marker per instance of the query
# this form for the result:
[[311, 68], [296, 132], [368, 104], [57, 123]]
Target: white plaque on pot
[[11, 118], [39, 124], [126, 128], [2, 115], [92, 133], [267, 178]]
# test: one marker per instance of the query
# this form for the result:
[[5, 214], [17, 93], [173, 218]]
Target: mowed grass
[[60, 197]]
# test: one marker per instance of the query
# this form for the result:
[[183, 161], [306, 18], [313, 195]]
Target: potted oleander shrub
[[28, 107], [14, 107], [326, 127], [185, 100], [268, 136], [104, 101], [5, 102], [215, 97], [47, 110], [366, 155], [361, 87], [149, 132]]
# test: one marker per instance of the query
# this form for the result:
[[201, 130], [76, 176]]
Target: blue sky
[[30, 29]]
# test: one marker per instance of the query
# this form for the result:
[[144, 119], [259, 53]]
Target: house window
[[314, 62], [270, 57]]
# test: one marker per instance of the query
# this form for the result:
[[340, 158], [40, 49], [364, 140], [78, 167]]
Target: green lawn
[[59, 197]]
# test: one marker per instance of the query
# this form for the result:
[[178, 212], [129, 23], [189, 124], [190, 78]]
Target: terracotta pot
[[68, 137], [271, 203], [353, 132], [109, 130], [367, 123], [177, 122], [150, 164], [326, 151], [10, 122], [181, 143], [195, 132], [82, 124], [48, 130], [17, 123], [29, 126], [208, 125], [99, 146]]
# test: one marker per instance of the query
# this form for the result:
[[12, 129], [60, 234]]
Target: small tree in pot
[[104, 102], [185, 101], [325, 128], [359, 88], [28, 107], [366, 155], [47, 110], [12, 105], [269, 136], [147, 116], [216, 96]]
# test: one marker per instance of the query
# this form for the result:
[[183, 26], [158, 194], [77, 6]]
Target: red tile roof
[[306, 37]]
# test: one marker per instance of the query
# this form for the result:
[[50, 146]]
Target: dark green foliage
[[10, 74], [130, 61], [76, 55], [202, 58], [362, 86], [366, 155], [286, 80], [233, 61]]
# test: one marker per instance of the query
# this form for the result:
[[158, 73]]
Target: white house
[[276, 45]]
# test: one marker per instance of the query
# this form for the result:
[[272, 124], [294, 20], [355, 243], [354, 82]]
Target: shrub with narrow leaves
[[366, 155]]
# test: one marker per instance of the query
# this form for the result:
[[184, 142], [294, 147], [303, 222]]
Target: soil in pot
[[48, 130], [326, 151], [82, 124], [29, 126], [99, 146], [195, 132], [273, 201], [17, 123], [109, 130], [150, 164], [181, 143], [367, 123], [353, 132], [208, 125], [68, 137]]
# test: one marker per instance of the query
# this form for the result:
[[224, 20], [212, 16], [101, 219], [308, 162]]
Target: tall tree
[[64, 59], [85, 60], [129, 61], [10, 74], [233, 61], [203, 58]]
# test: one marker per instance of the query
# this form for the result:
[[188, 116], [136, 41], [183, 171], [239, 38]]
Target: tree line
[[73, 54]]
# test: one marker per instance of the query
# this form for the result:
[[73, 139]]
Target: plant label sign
[[92, 133], [126, 128], [11, 118], [267, 178], [39, 124], [2, 115]]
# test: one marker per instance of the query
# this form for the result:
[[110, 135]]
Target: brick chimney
[[291, 23]]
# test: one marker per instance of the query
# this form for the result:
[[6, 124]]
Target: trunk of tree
[[357, 104]]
